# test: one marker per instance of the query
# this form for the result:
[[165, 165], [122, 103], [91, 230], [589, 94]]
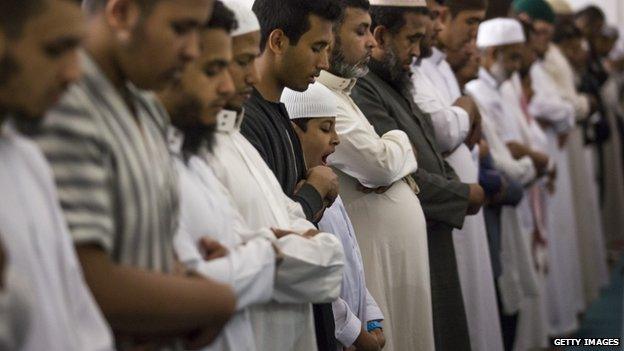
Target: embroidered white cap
[[245, 17], [316, 102], [500, 31], [402, 3]]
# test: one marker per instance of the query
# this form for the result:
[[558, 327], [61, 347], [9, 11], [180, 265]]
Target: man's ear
[[122, 16], [380, 33], [277, 42]]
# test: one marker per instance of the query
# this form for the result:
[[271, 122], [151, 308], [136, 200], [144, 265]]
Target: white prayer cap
[[316, 102], [246, 19], [561, 7], [403, 3], [499, 32]]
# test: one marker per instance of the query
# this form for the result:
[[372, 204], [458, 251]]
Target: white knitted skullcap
[[499, 32], [402, 3], [316, 102], [246, 19]]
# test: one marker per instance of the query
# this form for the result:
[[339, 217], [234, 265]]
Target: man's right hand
[[211, 249], [366, 341], [476, 199], [325, 181]]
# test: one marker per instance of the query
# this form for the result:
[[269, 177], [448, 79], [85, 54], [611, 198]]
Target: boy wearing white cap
[[356, 314]]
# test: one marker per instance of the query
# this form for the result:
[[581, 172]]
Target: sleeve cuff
[[310, 200], [349, 332], [463, 121]]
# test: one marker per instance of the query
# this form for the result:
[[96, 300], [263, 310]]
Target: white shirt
[[64, 315], [499, 127], [451, 123], [442, 75], [373, 160], [311, 271], [355, 307], [249, 267], [562, 75], [547, 103]]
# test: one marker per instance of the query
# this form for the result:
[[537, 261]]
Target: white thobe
[[533, 323], [518, 278], [356, 306], [581, 161], [564, 283], [451, 123], [249, 267], [63, 314], [311, 270], [390, 227], [613, 200], [471, 246]]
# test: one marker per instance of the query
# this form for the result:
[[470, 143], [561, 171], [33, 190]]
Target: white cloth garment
[[533, 322], [472, 253], [518, 279], [441, 75], [613, 200], [63, 313], [451, 123], [390, 227], [581, 160], [356, 306], [249, 267], [16, 302], [311, 271], [564, 283]]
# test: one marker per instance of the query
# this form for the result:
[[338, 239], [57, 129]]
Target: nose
[[252, 76], [415, 51], [71, 69], [323, 63], [335, 138], [191, 48], [226, 88], [371, 42]]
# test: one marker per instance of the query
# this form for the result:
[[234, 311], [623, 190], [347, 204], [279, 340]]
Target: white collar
[[230, 121], [488, 78], [333, 82], [438, 56]]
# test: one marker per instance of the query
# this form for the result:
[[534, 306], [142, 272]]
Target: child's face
[[319, 140]]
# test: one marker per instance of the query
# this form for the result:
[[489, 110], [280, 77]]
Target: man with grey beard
[[378, 191], [385, 97]]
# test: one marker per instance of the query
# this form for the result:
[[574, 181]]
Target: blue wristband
[[372, 325]]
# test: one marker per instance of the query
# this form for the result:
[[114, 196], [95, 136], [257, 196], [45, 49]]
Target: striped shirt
[[115, 178]]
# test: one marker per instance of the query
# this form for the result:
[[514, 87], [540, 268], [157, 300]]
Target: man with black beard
[[385, 98], [213, 240]]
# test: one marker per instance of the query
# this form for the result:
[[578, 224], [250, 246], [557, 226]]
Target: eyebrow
[[219, 63], [67, 42]]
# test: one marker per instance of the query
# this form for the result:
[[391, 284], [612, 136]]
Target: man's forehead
[[355, 14], [320, 30], [60, 19]]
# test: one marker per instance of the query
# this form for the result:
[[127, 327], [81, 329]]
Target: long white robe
[[63, 315], [356, 306], [470, 243], [613, 201], [564, 281], [390, 227], [518, 280], [311, 271], [592, 248], [249, 267]]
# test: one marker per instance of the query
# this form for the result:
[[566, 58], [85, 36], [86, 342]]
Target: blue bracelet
[[372, 325]]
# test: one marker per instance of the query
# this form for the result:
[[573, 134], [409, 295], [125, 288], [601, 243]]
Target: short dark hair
[[14, 15], [392, 17], [358, 4], [222, 18], [292, 16], [593, 13], [457, 6], [95, 6], [301, 123], [566, 30]]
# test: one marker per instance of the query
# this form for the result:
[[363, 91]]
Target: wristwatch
[[372, 325]]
